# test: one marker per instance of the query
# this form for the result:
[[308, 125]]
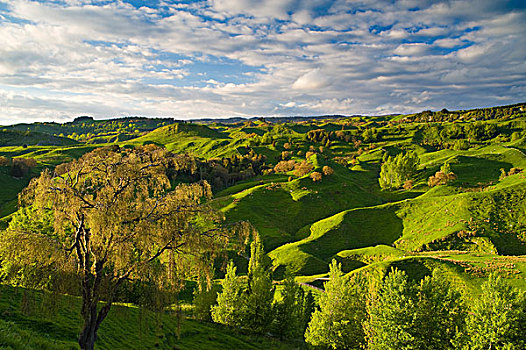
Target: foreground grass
[[36, 320]]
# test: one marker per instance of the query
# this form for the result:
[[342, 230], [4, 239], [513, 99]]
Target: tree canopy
[[116, 217]]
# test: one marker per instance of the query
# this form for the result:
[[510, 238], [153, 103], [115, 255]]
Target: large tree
[[337, 324], [116, 218], [496, 318]]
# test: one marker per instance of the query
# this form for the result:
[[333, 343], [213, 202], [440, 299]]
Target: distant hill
[[21, 138]]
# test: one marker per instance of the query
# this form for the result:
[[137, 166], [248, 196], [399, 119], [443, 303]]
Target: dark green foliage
[[403, 315], [291, 310], [337, 324], [229, 300], [497, 318], [256, 311], [205, 297], [371, 135]]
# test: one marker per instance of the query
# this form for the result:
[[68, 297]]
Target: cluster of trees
[[219, 172], [395, 171], [18, 167], [254, 305], [458, 136], [371, 135], [83, 128], [396, 313], [478, 114], [110, 219], [325, 137]]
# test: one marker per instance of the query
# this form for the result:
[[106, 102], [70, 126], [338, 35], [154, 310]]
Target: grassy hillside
[[35, 320], [20, 138], [199, 140]]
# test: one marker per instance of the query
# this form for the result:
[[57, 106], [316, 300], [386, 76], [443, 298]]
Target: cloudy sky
[[223, 58]]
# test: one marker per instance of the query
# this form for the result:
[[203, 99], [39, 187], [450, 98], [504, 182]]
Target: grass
[[281, 210], [36, 320]]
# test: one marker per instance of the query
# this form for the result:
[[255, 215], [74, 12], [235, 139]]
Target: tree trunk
[[88, 335]]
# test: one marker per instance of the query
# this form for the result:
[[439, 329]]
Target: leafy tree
[[289, 310], [390, 314], [316, 176], [327, 170], [370, 135], [432, 136], [116, 218], [205, 296], [402, 315], [496, 319], [257, 312], [337, 324], [229, 300], [439, 314], [396, 170]]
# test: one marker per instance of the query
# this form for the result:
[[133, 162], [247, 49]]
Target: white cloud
[[315, 79], [246, 57], [414, 49]]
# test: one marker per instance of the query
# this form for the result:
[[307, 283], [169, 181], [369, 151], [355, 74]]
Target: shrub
[[440, 178], [303, 168], [4, 161], [316, 176], [515, 136], [285, 155], [327, 170], [461, 145], [20, 166], [284, 166], [408, 184]]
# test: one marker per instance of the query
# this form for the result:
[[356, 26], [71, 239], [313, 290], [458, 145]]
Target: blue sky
[[224, 58]]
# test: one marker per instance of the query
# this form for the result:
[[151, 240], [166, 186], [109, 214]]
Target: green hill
[[20, 138], [196, 139]]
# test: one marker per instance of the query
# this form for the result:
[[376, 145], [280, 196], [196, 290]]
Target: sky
[[250, 58]]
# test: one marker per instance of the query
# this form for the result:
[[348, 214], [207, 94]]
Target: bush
[[285, 166], [515, 136], [316, 176], [327, 170], [461, 145], [286, 154], [4, 161], [309, 154], [20, 166], [303, 168], [440, 178]]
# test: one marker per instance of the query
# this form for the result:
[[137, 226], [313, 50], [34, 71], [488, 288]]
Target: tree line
[[365, 312]]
